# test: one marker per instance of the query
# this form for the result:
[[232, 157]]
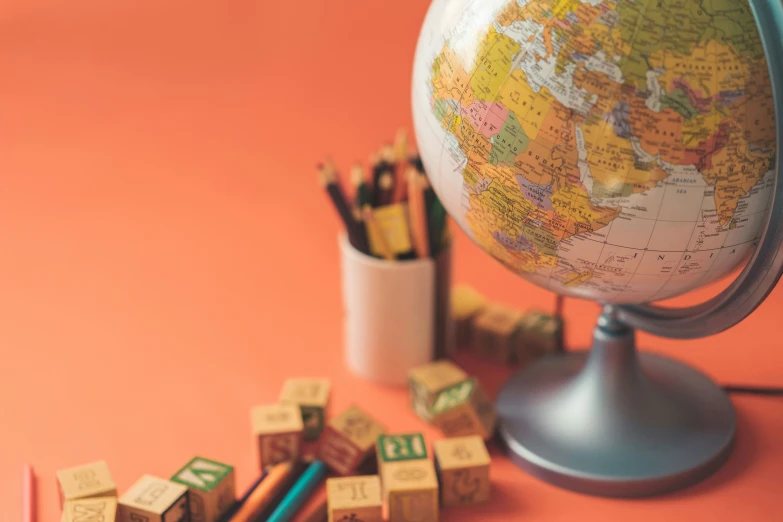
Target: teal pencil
[[298, 494]]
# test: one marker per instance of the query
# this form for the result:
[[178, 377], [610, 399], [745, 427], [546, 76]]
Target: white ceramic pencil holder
[[390, 314]]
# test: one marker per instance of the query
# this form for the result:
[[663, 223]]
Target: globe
[[623, 151], [620, 151]]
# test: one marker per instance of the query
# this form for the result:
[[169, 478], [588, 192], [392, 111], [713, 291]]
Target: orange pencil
[[400, 161], [28, 494], [264, 493], [418, 214], [374, 229]]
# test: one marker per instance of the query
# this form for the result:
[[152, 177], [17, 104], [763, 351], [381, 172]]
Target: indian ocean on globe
[[623, 151], [620, 151]]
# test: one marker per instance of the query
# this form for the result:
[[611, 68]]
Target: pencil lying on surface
[[418, 217], [314, 474], [261, 496], [282, 491], [28, 494], [239, 503], [374, 229]]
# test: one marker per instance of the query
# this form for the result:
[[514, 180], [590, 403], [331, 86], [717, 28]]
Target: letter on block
[[354, 499], [462, 464], [88, 480], [426, 381], [349, 439], [95, 509], [211, 488], [153, 499], [539, 334], [464, 409], [312, 397], [411, 489], [496, 334], [466, 303], [278, 428]]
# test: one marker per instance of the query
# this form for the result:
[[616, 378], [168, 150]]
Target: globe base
[[614, 422]]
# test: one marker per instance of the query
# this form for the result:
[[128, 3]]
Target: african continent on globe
[[617, 150]]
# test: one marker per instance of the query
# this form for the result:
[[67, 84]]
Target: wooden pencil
[[418, 218], [239, 503], [332, 185], [281, 492], [374, 229], [362, 190], [400, 161], [385, 190]]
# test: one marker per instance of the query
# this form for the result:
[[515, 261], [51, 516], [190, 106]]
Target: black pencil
[[335, 191]]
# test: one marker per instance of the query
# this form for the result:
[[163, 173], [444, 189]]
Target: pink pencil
[[28, 494]]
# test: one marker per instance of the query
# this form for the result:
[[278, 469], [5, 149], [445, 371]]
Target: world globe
[[623, 151], [620, 151]]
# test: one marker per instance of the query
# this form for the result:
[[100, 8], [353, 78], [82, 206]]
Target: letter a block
[[426, 381], [411, 489], [462, 464], [95, 509], [211, 488], [88, 480], [348, 440], [153, 499], [464, 409], [278, 428], [354, 499], [312, 397]]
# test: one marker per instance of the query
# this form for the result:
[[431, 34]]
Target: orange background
[[167, 258]]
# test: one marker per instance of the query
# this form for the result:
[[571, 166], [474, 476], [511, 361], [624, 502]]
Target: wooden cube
[[85, 481], [278, 429], [464, 409], [354, 499], [466, 303], [153, 499], [411, 490], [496, 334], [211, 488], [349, 439], [426, 381], [94, 509], [539, 334], [312, 397], [399, 447], [462, 465]]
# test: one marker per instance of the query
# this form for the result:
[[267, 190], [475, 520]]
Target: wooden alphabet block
[[539, 334], [464, 409], [426, 381], [89, 480], [153, 499], [211, 488], [94, 509], [496, 334], [278, 429], [312, 397], [348, 440], [466, 303], [462, 465], [411, 490], [354, 499], [399, 447]]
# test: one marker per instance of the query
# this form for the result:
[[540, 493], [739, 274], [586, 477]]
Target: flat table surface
[[168, 258]]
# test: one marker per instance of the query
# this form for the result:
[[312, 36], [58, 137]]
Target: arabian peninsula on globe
[[616, 150]]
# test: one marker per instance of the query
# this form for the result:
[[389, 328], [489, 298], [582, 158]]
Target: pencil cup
[[391, 314]]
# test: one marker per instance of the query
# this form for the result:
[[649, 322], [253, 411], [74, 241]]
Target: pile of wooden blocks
[[502, 334]]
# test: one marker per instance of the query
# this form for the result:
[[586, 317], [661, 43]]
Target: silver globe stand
[[619, 423]]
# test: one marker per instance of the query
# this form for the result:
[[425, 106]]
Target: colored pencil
[[316, 508], [400, 160], [299, 492], [28, 494], [331, 184], [369, 221], [418, 218], [239, 503], [385, 190], [363, 196], [282, 491], [263, 494]]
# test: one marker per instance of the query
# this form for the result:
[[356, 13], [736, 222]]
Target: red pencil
[[28, 494]]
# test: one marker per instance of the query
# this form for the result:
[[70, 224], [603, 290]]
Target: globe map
[[617, 150]]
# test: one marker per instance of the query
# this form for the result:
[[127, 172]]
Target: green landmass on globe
[[616, 150]]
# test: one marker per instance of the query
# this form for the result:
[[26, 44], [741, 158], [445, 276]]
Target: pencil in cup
[[332, 185]]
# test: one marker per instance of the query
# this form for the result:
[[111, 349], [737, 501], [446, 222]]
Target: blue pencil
[[299, 492]]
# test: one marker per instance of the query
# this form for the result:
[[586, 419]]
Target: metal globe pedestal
[[615, 422]]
